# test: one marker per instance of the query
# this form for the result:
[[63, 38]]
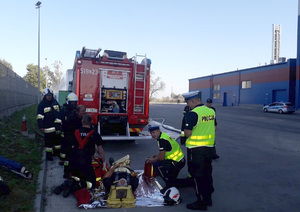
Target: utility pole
[[38, 6]]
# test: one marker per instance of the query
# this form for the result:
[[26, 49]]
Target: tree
[[7, 64], [32, 76], [156, 85], [54, 77]]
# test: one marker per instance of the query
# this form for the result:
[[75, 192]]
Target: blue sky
[[184, 39]]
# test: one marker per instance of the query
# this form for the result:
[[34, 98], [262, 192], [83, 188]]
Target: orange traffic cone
[[24, 126]]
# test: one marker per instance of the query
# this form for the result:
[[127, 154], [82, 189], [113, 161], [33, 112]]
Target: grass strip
[[24, 150]]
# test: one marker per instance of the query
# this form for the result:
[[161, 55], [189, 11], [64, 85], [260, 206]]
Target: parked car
[[280, 107]]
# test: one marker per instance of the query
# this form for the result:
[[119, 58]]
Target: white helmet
[[47, 91], [72, 97], [172, 196]]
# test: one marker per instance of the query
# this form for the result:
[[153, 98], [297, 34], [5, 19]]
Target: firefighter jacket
[[65, 112], [48, 116], [84, 142], [203, 133], [176, 153], [71, 124]]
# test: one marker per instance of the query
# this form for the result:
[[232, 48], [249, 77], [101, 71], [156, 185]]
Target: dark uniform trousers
[[168, 170], [199, 165], [83, 169], [52, 140]]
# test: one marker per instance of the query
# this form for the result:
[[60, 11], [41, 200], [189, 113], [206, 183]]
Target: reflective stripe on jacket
[[203, 133], [176, 153]]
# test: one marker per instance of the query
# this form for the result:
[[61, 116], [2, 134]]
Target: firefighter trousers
[[83, 171], [52, 143]]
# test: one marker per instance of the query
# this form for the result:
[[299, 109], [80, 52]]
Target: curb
[[40, 193]]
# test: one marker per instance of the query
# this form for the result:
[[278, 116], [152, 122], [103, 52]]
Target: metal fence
[[15, 92]]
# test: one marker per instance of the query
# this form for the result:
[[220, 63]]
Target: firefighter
[[67, 109], [73, 122], [170, 159], [200, 133], [85, 139], [70, 105], [49, 123]]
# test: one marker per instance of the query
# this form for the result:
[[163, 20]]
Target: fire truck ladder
[[139, 108]]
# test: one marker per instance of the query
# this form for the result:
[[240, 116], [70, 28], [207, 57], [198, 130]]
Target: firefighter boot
[[72, 185], [49, 156], [57, 190]]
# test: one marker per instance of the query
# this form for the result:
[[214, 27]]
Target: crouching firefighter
[[120, 183], [82, 171]]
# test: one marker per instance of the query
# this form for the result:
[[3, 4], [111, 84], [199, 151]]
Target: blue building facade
[[258, 85]]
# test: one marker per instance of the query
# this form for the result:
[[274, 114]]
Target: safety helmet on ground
[[47, 91], [172, 196], [72, 97]]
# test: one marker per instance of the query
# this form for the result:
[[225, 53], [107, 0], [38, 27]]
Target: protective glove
[[104, 166]]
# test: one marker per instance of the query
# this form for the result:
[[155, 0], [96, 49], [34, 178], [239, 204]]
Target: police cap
[[209, 100], [190, 95], [153, 127]]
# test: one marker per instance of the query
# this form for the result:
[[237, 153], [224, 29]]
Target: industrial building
[[278, 81]]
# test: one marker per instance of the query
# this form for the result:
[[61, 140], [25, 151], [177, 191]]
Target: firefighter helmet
[[72, 97], [47, 91], [172, 196]]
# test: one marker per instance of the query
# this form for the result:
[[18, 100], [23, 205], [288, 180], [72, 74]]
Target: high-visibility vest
[[176, 153], [203, 133]]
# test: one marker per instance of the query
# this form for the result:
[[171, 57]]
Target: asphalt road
[[258, 169]]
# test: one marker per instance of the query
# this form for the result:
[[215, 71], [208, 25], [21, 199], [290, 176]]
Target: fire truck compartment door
[[111, 78]]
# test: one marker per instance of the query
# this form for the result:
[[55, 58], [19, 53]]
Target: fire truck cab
[[115, 91]]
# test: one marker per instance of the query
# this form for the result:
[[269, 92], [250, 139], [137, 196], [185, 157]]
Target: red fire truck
[[115, 91]]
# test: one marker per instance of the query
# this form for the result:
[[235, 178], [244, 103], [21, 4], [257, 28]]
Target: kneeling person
[[84, 141], [170, 159]]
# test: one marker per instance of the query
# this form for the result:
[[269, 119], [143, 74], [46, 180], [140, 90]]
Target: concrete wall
[[15, 92]]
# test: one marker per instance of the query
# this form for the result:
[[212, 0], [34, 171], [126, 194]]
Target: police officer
[[170, 159], [49, 123], [200, 133], [85, 139], [67, 109], [187, 181], [182, 136], [209, 104]]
